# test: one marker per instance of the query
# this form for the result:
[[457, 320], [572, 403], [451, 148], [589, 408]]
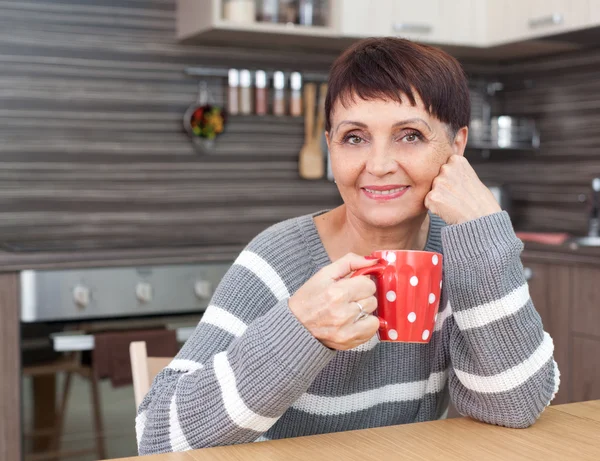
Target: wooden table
[[563, 432]]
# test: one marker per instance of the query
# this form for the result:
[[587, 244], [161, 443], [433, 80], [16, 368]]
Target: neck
[[343, 232]]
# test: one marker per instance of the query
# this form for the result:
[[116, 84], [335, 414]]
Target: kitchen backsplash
[[93, 151]]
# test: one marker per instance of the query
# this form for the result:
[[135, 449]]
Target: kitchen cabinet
[[204, 20], [516, 20], [430, 21], [567, 297]]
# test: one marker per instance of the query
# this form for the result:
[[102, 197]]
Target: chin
[[383, 217]]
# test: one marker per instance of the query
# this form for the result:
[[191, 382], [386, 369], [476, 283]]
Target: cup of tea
[[409, 284]]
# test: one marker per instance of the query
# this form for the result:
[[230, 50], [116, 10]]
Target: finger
[[357, 287], [369, 304], [346, 265]]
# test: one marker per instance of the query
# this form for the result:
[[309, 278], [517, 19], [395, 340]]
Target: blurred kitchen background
[[119, 211]]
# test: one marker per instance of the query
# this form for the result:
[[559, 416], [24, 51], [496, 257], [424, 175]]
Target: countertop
[[16, 261]]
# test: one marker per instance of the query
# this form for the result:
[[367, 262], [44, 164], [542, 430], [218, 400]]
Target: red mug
[[409, 284]]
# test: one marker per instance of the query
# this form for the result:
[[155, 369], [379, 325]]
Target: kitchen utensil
[[409, 284], [203, 120], [310, 163]]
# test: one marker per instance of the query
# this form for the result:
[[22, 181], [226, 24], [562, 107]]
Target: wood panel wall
[[92, 149], [549, 185], [93, 153]]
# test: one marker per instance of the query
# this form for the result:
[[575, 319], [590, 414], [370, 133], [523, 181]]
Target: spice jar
[[296, 94], [279, 93], [233, 100], [239, 10], [260, 92], [245, 92]]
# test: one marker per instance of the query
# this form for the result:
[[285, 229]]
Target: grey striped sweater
[[251, 371]]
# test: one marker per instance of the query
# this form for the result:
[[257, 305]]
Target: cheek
[[346, 169]]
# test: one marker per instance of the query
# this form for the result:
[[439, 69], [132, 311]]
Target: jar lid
[[234, 77], [245, 78], [260, 79], [279, 80], [296, 81]]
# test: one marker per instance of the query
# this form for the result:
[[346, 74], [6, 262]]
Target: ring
[[362, 314]]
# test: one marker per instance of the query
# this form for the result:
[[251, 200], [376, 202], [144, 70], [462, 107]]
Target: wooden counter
[[558, 435]]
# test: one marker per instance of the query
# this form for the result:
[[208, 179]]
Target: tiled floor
[[118, 410]]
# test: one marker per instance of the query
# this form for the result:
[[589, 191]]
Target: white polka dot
[[391, 296], [435, 260], [393, 335], [431, 298], [414, 280], [412, 317], [425, 335], [391, 257]]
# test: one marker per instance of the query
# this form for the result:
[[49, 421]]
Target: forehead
[[378, 110]]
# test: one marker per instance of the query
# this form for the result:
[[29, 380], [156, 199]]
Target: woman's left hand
[[457, 194]]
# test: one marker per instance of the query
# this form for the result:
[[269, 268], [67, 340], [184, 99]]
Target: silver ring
[[362, 314]]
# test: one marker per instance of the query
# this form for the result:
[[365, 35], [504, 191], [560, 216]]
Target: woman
[[280, 353]]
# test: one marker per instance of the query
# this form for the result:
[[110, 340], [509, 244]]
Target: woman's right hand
[[326, 304]]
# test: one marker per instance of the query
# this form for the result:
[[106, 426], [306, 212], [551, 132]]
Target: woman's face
[[385, 155]]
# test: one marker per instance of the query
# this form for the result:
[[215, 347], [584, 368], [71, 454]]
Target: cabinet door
[[586, 369], [463, 22], [550, 291], [420, 21], [513, 20], [359, 18]]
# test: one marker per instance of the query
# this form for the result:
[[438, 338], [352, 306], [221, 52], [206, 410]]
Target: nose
[[381, 160]]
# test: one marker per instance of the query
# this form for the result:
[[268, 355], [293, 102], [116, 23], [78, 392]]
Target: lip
[[372, 192]]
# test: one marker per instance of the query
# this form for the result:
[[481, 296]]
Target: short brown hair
[[387, 68]]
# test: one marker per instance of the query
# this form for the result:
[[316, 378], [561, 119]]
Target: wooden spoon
[[310, 163]]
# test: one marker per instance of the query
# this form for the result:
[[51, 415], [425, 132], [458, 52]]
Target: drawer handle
[[527, 273], [553, 19], [415, 28]]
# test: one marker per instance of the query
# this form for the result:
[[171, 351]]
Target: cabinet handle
[[528, 273], [415, 28], [553, 19]]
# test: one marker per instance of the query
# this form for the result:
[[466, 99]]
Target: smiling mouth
[[385, 192]]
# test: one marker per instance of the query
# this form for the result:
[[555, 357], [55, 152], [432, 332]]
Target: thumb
[[346, 265]]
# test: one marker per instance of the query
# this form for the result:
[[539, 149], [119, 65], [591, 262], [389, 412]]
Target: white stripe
[[512, 377], [140, 426], [184, 365], [556, 381], [442, 316], [495, 310], [176, 435], [370, 344], [400, 392], [263, 270], [224, 320], [237, 410]]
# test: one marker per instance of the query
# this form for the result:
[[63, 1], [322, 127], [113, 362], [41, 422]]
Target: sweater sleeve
[[248, 360], [502, 369]]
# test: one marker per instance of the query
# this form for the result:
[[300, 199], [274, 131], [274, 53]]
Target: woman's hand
[[457, 194], [326, 304]]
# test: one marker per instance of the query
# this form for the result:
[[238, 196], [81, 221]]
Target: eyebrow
[[400, 123]]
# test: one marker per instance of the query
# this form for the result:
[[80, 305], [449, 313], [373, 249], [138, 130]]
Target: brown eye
[[353, 139]]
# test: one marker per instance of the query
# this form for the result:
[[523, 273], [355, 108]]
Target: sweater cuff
[[466, 241], [291, 343]]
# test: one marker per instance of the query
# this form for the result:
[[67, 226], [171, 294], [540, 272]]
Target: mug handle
[[376, 271]]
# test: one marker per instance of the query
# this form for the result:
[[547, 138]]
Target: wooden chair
[[144, 369], [69, 364]]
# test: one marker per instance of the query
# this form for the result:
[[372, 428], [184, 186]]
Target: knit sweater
[[251, 371]]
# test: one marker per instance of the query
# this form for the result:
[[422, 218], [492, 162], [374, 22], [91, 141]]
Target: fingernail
[[371, 257]]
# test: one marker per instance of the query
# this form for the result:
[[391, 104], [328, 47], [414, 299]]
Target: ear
[[460, 141], [328, 139]]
